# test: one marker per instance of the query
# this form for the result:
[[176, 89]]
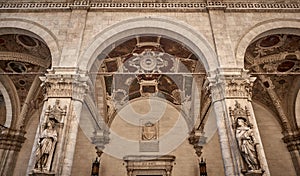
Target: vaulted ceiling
[[22, 59], [275, 61]]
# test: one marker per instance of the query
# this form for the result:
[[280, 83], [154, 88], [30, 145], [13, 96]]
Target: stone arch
[[32, 28], [297, 109], [262, 29], [182, 32], [8, 106], [11, 99]]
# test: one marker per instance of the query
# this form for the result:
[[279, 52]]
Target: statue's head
[[241, 121]]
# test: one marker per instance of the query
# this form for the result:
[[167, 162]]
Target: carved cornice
[[152, 6], [11, 139], [65, 85], [233, 87]]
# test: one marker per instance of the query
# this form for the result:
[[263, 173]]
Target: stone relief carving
[[246, 140], [57, 85], [239, 86], [48, 138], [149, 131]]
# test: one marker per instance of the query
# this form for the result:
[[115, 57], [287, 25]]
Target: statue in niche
[[46, 146], [149, 131], [56, 112], [246, 143]]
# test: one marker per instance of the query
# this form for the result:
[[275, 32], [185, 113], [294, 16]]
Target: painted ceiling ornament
[[148, 61], [246, 140], [269, 44]]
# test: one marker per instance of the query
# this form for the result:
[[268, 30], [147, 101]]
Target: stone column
[[55, 140], [292, 141], [231, 94], [10, 144]]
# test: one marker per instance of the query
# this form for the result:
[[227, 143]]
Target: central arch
[[150, 25]]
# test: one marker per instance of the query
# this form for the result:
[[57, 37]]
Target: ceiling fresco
[[22, 59], [146, 66], [275, 60]]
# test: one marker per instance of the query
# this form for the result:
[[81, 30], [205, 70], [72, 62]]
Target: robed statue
[[46, 146]]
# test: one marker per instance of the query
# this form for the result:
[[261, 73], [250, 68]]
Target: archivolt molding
[[21, 57], [8, 85], [262, 29], [42, 32], [150, 25], [8, 106]]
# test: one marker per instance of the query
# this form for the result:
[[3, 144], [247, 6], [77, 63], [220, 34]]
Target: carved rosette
[[65, 86], [232, 87]]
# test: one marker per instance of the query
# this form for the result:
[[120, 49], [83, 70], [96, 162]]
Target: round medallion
[[148, 63]]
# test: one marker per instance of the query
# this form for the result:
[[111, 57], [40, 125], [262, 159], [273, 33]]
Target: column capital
[[64, 82], [11, 139], [231, 84], [292, 141]]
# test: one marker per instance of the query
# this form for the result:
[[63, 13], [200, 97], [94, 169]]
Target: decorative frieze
[[176, 6]]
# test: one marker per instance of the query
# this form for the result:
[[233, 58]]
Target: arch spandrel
[[150, 26]]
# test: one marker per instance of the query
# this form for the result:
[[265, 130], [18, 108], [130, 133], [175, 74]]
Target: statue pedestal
[[41, 173], [254, 173]]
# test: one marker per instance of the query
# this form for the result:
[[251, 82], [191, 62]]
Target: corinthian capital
[[65, 83], [235, 86]]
